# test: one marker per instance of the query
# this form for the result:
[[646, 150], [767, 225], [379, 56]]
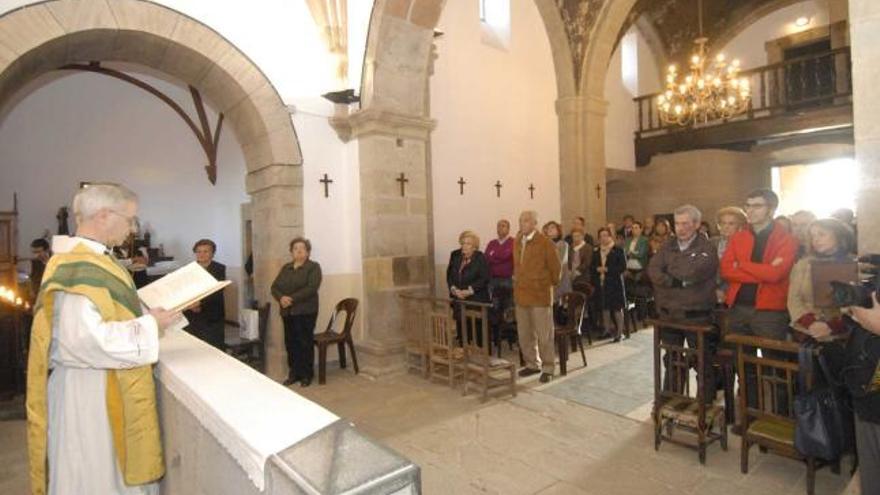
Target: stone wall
[[708, 179], [865, 35]]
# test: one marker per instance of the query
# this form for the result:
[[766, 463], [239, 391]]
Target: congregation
[[755, 269]]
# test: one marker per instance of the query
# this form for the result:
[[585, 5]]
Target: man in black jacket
[[684, 276]]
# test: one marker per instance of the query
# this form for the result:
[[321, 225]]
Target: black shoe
[[290, 381], [616, 340], [305, 382], [528, 372], [546, 377]]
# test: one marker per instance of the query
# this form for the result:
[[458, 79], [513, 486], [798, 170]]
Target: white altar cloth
[[250, 415]]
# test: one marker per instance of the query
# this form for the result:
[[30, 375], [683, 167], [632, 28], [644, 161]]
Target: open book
[[180, 288]]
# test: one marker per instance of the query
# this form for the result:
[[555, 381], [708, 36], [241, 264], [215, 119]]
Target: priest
[[92, 422]]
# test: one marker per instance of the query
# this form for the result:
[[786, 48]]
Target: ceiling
[[676, 23]]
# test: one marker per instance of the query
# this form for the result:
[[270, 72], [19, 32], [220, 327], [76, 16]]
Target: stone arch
[[44, 36]]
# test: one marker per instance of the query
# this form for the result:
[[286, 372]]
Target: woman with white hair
[[467, 275]]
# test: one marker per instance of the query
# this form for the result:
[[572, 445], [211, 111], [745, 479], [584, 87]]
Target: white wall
[[623, 74], [748, 46], [495, 121], [75, 127]]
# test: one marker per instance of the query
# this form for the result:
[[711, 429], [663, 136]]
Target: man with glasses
[[756, 265], [93, 423]]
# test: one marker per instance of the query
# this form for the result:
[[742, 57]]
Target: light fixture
[[802, 21], [708, 92]]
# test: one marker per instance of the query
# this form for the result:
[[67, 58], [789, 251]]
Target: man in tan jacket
[[536, 270]]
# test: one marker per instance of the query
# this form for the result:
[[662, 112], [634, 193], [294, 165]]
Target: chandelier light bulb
[[720, 57], [736, 62], [802, 21], [672, 69]]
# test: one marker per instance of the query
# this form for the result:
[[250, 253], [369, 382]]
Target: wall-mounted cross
[[498, 189], [598, 191], [461, 183], [326, 181], [402, 180], [532, 190]]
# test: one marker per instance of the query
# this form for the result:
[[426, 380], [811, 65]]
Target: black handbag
[[824, 427]]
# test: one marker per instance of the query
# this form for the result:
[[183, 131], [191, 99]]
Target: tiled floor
[[544, 441]]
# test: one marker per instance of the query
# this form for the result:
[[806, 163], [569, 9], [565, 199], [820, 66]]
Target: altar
[[228, 429]]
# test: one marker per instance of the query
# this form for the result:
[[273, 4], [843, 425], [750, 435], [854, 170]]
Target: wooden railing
[[796, 85]]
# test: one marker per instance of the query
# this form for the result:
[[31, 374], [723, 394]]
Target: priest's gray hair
[[691, 211], [93, 198]]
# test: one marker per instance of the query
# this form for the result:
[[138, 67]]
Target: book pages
[[180, 288]]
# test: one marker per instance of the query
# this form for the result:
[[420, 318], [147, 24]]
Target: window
[[495, 23]]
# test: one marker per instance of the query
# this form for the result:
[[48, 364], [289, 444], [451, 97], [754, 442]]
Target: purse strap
[[805, 365]]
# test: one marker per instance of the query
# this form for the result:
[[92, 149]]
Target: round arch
[[44, 36]]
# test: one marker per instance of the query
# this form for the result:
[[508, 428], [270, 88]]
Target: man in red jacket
[[756, 266]]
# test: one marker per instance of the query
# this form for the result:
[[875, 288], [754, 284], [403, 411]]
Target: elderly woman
[[296, 290], [467, 276], [830, 241], [207, 318], [609, 263], [730, 220]]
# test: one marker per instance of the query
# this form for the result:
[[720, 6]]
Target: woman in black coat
[[207, 318], [609, 263], [467, 276]]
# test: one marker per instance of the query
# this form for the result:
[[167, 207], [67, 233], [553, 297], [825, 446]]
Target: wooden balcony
[[804, 95]]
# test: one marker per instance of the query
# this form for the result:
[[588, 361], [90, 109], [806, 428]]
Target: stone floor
[[554, 438], [547, 440]]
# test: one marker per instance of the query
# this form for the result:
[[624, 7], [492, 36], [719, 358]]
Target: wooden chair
[[416, 329], [489, 373], [329, 337], [763, 425], [445, 358], [676, 405], [252, 352], [575, 304]]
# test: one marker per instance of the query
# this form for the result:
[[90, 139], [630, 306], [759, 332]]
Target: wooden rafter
[[207, 139]]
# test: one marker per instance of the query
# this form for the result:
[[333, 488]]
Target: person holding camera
[[867, 401], [829, 240]]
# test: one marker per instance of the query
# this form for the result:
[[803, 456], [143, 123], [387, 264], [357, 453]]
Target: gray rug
[[619, 387]]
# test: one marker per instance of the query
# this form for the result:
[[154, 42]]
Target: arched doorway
[[42, 37]]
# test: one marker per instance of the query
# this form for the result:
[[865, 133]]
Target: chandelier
[[709, 92]]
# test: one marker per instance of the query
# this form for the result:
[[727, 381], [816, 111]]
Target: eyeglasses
[[133, 221], [754, 206]]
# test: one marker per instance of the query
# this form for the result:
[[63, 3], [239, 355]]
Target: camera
[[845, 294]]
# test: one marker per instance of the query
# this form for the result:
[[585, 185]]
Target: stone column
[[277, 212], [394, 228], [865, 36], [582, 159]]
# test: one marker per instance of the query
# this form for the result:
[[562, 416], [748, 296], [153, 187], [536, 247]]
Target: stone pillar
[[394, 228], [865, 36], [582, 159], [277, 209]]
